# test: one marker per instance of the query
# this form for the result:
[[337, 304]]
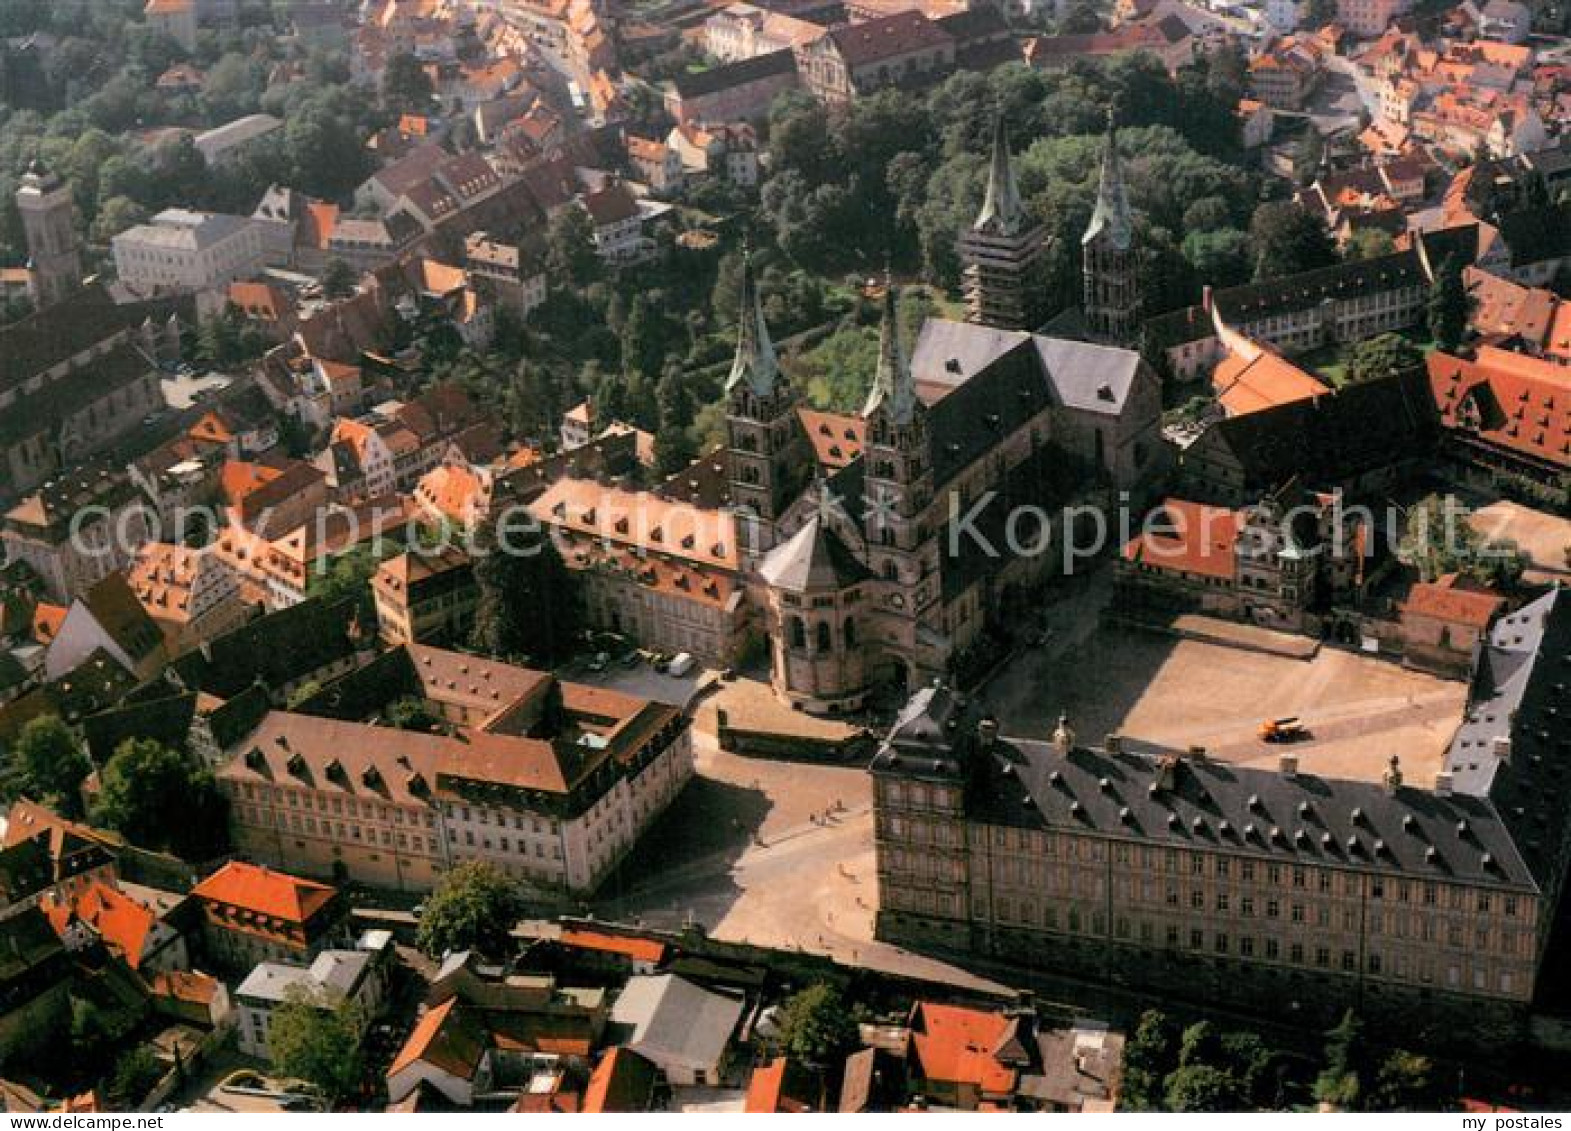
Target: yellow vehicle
[[1283, 730]]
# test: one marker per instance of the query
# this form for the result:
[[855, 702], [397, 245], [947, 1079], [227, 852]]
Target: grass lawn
[[1329, 362]]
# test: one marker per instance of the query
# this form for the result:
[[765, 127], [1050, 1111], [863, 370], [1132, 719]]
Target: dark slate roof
[[1501, 822], [1078, 375], [1310, 288], [167, 720], [1537, 234], [735, 74], [977, 414], [25, 870], [1207, 804], [1513, 742], [273, 650], [1335, 437], [812, 558]]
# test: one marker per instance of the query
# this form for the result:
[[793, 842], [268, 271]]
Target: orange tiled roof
[[1189, 537], [837, 438], [47, 620], [447, 1038], [277, 895], [1446, 600], [953, 1044], [1246, 383], [640, 950], [1520, 403], [120, 921]]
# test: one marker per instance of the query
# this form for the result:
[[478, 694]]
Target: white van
[[681, 664]]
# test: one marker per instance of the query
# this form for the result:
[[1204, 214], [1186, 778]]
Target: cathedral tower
[[898, 474], [49, 222], [1002, 250], [767, 450], [1110, 259]]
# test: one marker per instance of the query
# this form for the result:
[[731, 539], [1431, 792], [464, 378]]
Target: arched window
[[825, 643], [848, 632], [798, 633]]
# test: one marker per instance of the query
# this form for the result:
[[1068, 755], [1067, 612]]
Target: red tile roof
[[447, 1038], [1188, 537], [277, 895], [639, 950], [1450, 599], [622, 1081], [1519, 403], [954, 1044], [120, 921]]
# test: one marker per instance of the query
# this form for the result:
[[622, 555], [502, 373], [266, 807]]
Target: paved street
[[757, 851]]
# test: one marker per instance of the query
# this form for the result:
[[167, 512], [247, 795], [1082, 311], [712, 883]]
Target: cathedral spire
[[1112, 216], [1001, 211], [894, 389], [755, 366]]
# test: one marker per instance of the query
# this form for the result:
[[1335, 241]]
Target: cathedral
[[868, 548]]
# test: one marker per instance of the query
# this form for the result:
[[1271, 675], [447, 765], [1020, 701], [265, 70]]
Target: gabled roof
[[120, 921], [1188, 537], [872, 41], [623, 1081], [449, 1037], [956, 1045], [670, 1018]]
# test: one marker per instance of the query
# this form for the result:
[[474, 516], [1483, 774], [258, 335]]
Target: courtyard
[[1180, 692]]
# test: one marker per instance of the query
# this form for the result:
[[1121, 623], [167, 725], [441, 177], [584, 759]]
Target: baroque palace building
[[1419, 893]]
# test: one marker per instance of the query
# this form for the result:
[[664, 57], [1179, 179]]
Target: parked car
[[681, 664]]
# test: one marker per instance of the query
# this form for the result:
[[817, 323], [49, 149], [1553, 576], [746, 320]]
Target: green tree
[[570, 248], [409, 712], [135, 1073], [1202, 1087], [1448, 306], [347, 577], [338, 279], [316, 1039], [406, 88], [529, 603], [1384, 355], [816, 1025], [1341, 1082], [1149, 1056], [1367, 243], [50, 766], [1082, 18], [1405, 1081], [144, 782], [1288, 240], [474, 908], [673, 445]]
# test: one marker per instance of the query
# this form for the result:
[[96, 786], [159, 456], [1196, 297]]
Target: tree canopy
[[816, 1025], [144, 782], [316, 1039], [474, 908], [48, 765]]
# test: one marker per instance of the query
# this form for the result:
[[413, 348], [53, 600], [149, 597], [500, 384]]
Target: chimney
[[1114, 744], [987, 733], [1205, 298], [1197, 753], [1290, 766], [1443, 784]]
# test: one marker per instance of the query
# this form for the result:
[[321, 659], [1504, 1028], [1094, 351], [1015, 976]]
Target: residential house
[[107, 618], [682, 1028], [191, 595], [357, 978], [130, 929], [906, 49], [254, 914], [425, 598]]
